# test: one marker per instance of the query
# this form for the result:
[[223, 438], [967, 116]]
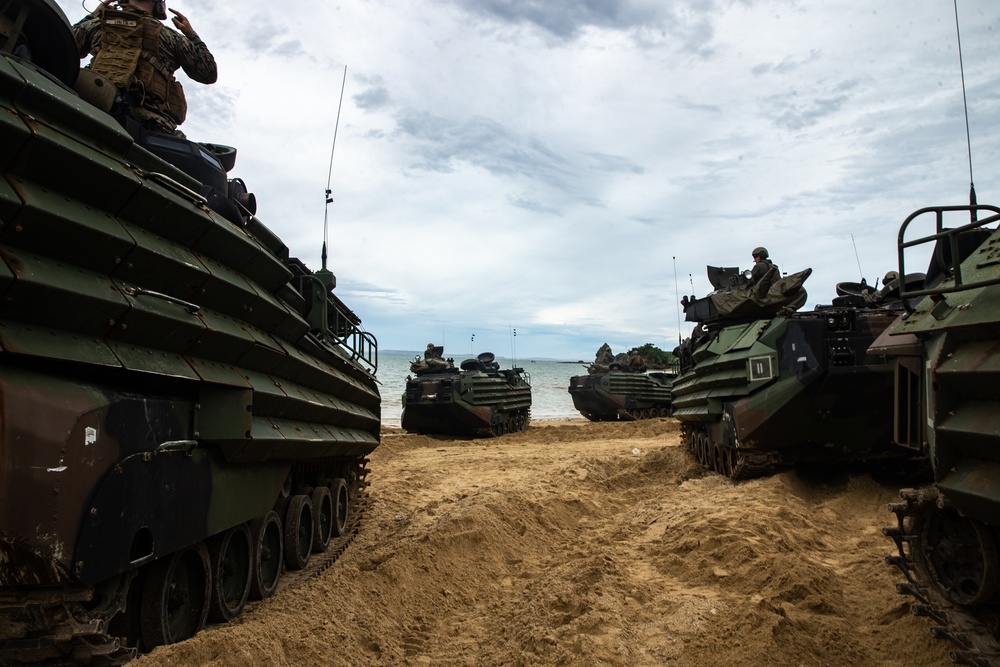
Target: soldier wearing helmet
[[762, 267], [138, 54]]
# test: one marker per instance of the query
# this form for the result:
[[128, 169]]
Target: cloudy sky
[[567, 169]]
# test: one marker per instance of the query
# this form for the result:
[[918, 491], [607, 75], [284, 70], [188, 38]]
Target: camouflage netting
[[768, 296], [430, 365]]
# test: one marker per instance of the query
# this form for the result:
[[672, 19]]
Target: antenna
[[692, 283], [965, 104], [513, 346], [857, 257], [329, 177]]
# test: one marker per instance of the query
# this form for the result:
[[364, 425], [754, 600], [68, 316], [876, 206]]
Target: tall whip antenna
[[965, 104], [329, 177], [513, 345], [677, 298], [857, 257]]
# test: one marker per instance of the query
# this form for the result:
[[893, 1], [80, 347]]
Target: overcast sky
[[545, 165]]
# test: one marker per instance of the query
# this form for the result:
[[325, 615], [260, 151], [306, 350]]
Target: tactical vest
[[129, 58]]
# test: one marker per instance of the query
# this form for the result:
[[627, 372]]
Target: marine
[[762, 267], [133, 50]]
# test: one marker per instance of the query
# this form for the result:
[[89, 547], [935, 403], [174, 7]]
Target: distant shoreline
[[412, 353]]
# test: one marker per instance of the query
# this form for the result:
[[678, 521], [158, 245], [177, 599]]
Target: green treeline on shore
[[654, 356]]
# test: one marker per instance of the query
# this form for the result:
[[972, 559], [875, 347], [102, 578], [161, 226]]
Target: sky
[[566, 170]]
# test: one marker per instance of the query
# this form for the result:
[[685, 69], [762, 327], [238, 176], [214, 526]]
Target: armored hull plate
[[472, 403], [170, 378], [626, 395], [793, 388]]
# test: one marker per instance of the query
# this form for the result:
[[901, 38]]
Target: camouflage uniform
[[160, 108], [760, 269]]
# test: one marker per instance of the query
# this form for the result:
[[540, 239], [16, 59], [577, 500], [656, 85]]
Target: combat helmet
[[159, 9], [759, 252]]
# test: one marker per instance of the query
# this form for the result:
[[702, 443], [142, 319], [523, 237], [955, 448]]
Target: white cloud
[[540, 165]]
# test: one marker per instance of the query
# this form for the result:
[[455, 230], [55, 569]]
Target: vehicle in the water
[[763, 384], [947, 356], [476, 399], [620, 390], [187, 410]]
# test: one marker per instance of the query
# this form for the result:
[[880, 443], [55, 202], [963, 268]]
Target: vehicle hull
[[626, 395]]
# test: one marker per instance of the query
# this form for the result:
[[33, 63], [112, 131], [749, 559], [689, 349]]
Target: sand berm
[[578, 543]]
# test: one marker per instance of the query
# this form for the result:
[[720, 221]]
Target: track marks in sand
[[559, 546]]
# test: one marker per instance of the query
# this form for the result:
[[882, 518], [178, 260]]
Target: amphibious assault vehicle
[[478, 398], [764, 385], [947, 358], [619, 393], [187, 410]]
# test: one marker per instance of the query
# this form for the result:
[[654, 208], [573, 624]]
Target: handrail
[[192, 308], [344, 332], [177, 187], [337, 327], [954, 269]]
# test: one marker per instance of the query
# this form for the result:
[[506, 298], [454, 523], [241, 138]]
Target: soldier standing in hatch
[[761, 265], [138, 54]]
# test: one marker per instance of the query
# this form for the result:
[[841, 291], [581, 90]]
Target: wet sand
[[578, 543]]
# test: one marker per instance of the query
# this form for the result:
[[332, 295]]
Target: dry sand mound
[[562, 545]]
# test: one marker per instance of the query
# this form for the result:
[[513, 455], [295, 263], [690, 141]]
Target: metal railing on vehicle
[[952, 265]]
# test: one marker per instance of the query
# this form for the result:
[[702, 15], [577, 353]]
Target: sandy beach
[[578, 543]]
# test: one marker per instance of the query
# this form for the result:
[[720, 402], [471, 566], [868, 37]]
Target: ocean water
[[549, 380]]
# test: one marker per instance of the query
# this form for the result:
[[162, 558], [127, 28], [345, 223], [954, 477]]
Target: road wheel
[[323, 518], [268, 544], [231, 555], [298, 532], [959, 555], [175, 597], [728, 461], [702, 449], [716, 458], [341, 506]]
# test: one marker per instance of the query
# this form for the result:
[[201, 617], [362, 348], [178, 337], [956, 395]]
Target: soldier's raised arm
[[192, 54]]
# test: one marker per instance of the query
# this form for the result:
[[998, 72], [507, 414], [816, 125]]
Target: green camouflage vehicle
[[187, 410], [621, 394], [763, 385], [947, 356], [477, 399]]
